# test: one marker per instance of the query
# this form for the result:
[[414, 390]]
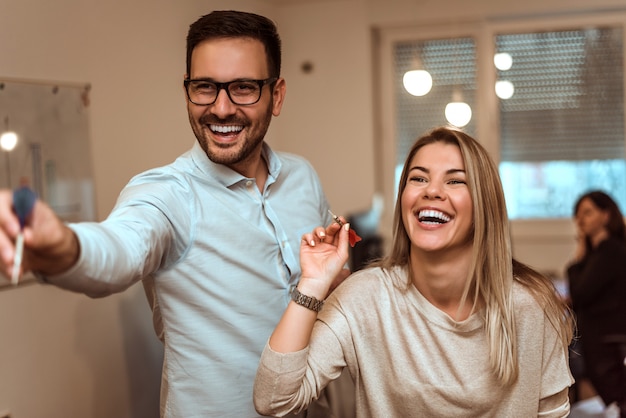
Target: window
[[560, 133]]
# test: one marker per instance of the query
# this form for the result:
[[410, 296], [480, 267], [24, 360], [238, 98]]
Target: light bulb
[[458, 113], [417, 82], [8, 141], [504, 89], [503, 61]]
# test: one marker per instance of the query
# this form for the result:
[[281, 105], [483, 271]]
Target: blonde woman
[[447, 325]]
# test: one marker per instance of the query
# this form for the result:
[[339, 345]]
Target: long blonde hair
[[493, 269]]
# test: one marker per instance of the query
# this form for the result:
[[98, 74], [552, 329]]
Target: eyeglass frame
[[224, 86]]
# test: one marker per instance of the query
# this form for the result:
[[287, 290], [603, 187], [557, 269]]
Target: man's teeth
[[225, 129], [433, 216]]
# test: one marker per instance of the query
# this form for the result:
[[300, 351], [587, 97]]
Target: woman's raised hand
[[323, 256]]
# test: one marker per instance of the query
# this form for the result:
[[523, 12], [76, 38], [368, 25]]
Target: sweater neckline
[[435, 315]]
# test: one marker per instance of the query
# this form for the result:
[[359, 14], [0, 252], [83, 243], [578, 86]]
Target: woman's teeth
[[432, 216]]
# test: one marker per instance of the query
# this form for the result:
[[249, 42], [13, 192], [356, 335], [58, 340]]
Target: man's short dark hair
[[236, 24]]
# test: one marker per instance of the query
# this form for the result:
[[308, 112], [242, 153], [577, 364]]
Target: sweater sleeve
[[556, 406], [556, 377], [289, 382]]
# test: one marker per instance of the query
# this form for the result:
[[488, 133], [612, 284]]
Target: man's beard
[[227, 154]]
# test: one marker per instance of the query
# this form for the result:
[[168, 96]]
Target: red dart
[[352, 235]]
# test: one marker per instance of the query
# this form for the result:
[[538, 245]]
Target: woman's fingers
[[343, 242], [316, 236]]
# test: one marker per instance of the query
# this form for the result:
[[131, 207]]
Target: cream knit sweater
[[409, 359]]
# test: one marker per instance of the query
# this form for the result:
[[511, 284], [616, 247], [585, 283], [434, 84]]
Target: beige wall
[[64, 355]]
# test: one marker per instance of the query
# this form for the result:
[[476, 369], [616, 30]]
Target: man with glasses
[[214, 236]]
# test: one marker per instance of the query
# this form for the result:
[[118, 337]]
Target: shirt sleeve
[[141, 235]]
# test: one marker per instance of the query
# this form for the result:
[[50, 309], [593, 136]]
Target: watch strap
[[308, 302]]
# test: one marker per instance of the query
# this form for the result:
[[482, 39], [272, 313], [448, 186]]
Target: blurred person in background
[[597, 287]]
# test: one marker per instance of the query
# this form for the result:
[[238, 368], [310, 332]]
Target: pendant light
[[458, 113], [8, 139], [504, 89], [417, 81]]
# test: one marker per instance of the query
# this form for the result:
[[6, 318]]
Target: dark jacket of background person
[[598, 290], [597, 286]]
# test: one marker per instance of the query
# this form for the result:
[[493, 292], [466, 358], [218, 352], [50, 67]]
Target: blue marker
[[23, 202]]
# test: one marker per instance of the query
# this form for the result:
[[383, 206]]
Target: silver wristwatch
[[307, 301]]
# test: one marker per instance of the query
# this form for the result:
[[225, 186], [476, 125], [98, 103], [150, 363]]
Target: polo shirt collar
[[227, 176]]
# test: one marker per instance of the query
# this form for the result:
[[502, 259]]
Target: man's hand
[[50, 247]]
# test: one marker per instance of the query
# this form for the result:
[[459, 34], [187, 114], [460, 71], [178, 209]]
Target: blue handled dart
[[23, 202]]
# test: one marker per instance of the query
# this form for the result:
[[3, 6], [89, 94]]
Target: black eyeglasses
[[204, 92]]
